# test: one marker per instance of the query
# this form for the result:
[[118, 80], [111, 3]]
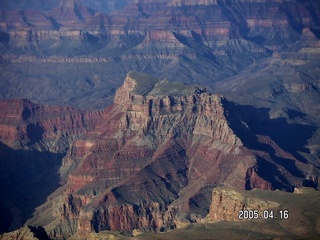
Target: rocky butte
[[153, 158]]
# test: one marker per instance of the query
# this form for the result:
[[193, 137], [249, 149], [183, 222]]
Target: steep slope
[[288, 85], [155, 155], [33, 141], [26, 233], [153, 161]]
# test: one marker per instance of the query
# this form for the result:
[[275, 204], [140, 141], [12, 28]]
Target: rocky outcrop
[[157, 146], [226, 204], [151, 161], [176, 138], [26, 233]]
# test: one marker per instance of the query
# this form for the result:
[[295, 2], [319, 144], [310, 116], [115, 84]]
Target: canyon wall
[[33, 140], [24, 123], [152, 158], [150, 163], [197, 42]]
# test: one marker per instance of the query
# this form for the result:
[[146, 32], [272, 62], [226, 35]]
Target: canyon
[[151, 160], [203, 43], [34, 139], [143, 116]]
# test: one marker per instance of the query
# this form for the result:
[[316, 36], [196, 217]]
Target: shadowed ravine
[[28, 177], [249, 122]]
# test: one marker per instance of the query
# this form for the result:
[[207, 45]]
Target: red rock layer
[[153, 152], [167, 25], [23, 122], [33, 140], [152, 158]]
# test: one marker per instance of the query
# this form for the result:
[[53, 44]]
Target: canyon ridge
[[142, 116], [149, 161]]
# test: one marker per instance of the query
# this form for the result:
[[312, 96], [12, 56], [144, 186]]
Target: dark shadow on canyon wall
[[247, 122], [35, 133], [27, 178]]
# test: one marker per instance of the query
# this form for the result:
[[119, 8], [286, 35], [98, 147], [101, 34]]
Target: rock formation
[[152, 158], [226, 204], [155, 156], [199, 42], [33, 140], [26, 233], [24, 123], [153, 141]]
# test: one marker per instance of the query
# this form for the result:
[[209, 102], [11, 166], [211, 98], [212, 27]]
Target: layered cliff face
[[24, 123], [195, 41], [153, 160], [158, 145], [155, 155], [33, 140], [226, 204]]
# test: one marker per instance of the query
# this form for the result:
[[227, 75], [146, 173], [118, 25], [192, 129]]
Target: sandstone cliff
[[157, 146], [155, 156], [226, 204]]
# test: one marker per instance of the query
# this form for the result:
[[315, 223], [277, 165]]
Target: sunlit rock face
[[153, 158], [157, 146], [227, 203]]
